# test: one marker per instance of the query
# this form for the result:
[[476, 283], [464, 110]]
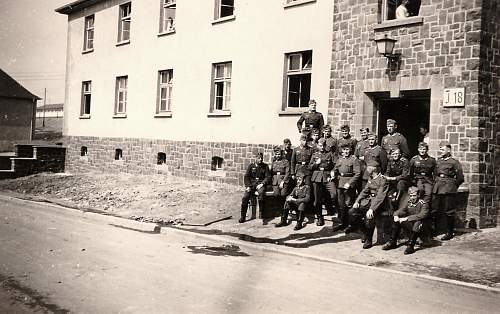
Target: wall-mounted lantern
[[385, 47]]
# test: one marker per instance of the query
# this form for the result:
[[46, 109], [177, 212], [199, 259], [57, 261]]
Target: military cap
[[444, 143], [364, 129], [287, 141], [345, 127], [299, 174], [372, 163], [303, 137], [423, 144], [391, 121], [276, 148], [322, 141], [372, 135], [312, 101], [327, 127], [412, 189], [394, 150], [345, 145]]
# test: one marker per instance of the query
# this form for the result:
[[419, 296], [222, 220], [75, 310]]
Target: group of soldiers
[[360, 180]]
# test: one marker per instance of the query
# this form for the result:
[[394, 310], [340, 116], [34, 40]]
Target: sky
[[33, 45]]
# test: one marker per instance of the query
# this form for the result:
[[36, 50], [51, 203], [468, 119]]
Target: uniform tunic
[[395, 140], [449, 176], [361, 147], [347, 170], [300, 160], [287, 154], [280, 171], [374, 195], [378, 155], [416, 214], [311, 120], [422, 174], [350, 141], [331, 145], [302, 194], [321, 171], [400, 170]]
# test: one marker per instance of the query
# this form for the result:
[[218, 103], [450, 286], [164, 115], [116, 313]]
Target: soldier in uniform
[[422, 171], [348, 171], [413, 217], [311, 120], [280, 171], [297, 200], [256, 178], [321, 164], [398, 175], [374, 154], [369, 204], [331, 142], [449, 176], [300, 160], [394, 139], [362, 144], [313, 142], [287, 149], [346, 138]]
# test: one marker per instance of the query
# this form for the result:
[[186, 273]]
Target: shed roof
[[76, 6], [50, 107], [9, 87]]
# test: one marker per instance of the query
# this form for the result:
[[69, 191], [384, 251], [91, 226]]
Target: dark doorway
[[411, 111]]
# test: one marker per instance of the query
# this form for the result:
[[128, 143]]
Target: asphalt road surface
[[55, 260]]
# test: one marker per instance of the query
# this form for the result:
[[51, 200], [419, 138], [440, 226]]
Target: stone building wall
[[441, 48], [190, 159]]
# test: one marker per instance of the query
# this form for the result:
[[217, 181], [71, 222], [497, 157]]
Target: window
[[221, 86], [164, 91], [88, 36], [389, 8], [83, 151], [121, 95], [217, 163], [86, 98], [118, 154], [223, 8], [167, 16], [298, 79], [161, 158], [124, 22]]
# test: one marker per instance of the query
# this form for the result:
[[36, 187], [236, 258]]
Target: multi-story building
[[194, 87]]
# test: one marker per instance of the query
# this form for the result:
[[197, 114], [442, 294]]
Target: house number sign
[[454, 97]]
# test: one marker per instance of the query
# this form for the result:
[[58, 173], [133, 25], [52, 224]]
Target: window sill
[[165, 33], [292, 112], [224, 19], [296, 3], [398, 23], [87, 51], [219, 114], [164, 115], [85, 116], [119, 115], [123, 43]]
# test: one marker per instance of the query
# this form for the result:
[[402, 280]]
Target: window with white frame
[[298, 79], [399, 9], [223, 8], [86, 98], [124, 22], [221, 86], [88, 36], [165, 79], [167, 16], [121, 95]]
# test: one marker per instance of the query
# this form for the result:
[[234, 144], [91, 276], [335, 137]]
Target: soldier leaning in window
[[449, 176], [256, 178]]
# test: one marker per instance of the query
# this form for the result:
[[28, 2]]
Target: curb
[[148, 227]]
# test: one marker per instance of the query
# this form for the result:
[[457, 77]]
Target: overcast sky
[[33, 45]]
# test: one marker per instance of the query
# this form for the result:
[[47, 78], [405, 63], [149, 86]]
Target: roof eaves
[[76, 6]]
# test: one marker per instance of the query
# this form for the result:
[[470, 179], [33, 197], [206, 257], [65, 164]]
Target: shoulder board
[[422, 201]]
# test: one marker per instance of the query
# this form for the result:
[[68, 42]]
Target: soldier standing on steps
[[348, 171], [331, 142], [449, 176], [287, 149], [373, 154], [300, 160], [422, 171], [398, 175], [321, 165], [370, 203], [310, 120], [346, 138], [280, 171], [297, 200], [256, 178], [413, 218], [394, 139]]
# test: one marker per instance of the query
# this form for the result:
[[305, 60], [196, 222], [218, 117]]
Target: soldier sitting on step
[[398, 175], [280, 171], [413, 217], [256, 178], [371, 202], [298, 200]]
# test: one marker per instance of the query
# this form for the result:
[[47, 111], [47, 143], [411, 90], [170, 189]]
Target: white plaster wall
[[256, 42]]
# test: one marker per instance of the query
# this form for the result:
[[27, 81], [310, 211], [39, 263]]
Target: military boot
[[450, 227], [344, 221], [284, 219], [300, 220], [243, 216], [393, 241], [368, 232], [410, 249], [261, 209]]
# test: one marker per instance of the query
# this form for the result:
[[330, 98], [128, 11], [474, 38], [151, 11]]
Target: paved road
[[63, 262]]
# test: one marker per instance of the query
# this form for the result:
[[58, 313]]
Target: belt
[[257, 178], [278, 173], [347, 174], [321, 168], [303, 163], [424, 174], [311, 125], [373, 194], [444, 175]]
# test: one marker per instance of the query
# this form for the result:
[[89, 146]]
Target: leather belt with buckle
[[321, 168], [423, 173], [278, 173], [303, 163]]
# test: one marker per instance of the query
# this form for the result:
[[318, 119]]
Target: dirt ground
[[206, 207]]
